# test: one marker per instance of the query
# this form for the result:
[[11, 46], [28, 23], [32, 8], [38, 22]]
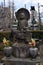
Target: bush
[[6, 35], [2, 35]]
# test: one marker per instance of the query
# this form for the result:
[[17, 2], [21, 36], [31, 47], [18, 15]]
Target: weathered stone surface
[[20, 61]]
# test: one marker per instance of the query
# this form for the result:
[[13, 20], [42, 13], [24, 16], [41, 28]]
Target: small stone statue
[[23, 16]]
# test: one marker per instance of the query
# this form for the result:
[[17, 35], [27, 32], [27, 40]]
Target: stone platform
[[21, 61]]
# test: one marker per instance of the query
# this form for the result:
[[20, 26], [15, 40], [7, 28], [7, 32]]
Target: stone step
[[1, 63]]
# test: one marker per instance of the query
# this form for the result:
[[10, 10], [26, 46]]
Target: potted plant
[[7, 47], [33, 50]]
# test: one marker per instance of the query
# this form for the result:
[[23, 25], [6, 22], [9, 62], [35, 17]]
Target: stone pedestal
[[20, 61]]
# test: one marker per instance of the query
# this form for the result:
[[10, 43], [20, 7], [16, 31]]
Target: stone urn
[[33, 52], [7, 51]]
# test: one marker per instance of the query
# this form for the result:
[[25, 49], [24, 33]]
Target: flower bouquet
[[6, 42], [33, 50], [7, 47]]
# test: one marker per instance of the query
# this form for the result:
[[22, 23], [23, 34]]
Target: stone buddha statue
[[23, 16]]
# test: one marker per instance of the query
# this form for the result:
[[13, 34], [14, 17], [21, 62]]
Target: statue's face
[[22, 16]]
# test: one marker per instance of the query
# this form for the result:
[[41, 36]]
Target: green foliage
[[2, 35], [6, 35], [41, 27], [1, 47], [38, 35]]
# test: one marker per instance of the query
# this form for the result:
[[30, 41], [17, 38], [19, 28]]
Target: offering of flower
[[33, 50], [32, 43], [6, 42]]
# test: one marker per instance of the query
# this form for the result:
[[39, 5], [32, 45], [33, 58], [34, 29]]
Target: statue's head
[[22, 16], [23, 13]]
